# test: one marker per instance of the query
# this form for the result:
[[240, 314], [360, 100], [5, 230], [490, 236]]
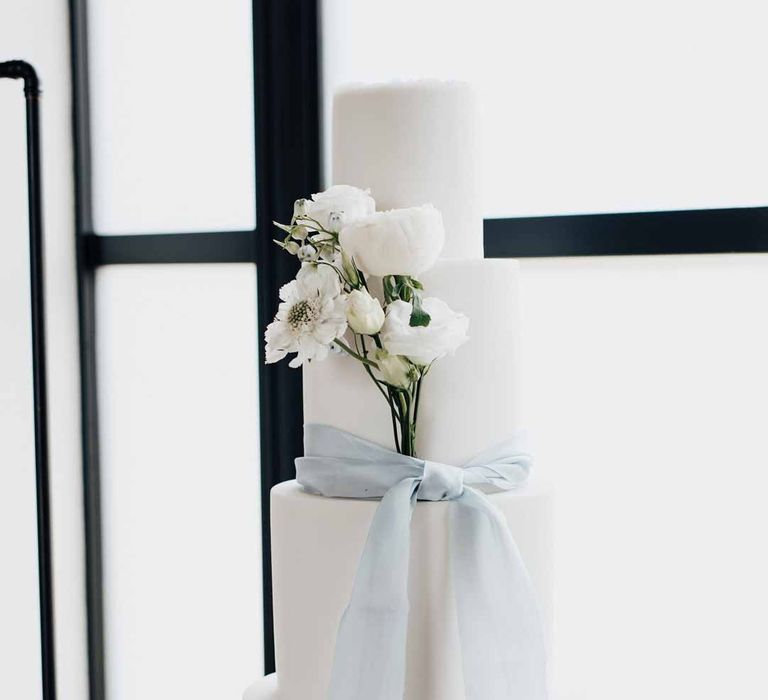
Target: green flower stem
[[317, 225], [406, 431], [416, 397], [352, 353]]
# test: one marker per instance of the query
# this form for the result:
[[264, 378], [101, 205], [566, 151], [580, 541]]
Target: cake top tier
[[413, 143]]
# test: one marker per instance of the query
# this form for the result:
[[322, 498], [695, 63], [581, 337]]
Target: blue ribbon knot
[[502, 645], [440, 482]]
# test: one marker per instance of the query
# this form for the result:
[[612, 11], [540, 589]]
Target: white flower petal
[[395, 242], [310, 318], [447, 330]]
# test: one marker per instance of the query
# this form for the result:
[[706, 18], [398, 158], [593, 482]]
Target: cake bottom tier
[[316, 546]]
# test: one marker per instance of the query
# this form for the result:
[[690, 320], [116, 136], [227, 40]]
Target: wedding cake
[[410, 143]]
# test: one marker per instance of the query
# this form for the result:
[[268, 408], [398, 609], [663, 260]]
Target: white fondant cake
[[411, 143], [470, 400], [316, 546]]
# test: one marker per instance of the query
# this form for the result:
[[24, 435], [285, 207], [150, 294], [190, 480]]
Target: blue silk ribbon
[[503, 652]]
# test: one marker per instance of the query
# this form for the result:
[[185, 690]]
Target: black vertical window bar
[[21, 70]]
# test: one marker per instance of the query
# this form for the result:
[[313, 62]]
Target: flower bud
[[328, 254], [307, 254], [395, 369], [349, 269], [364, 312], [291, 247], [299, 232], [335, 221], [300, 208]]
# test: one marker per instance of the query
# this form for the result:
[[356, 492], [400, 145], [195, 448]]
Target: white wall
[[595, 105], [38, 32], [645, 384]]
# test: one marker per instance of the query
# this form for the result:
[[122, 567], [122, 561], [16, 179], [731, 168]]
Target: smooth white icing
[[413, 143], [316, 545]]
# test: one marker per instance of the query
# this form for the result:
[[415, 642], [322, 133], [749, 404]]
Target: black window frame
[[286, 46], [287, 132]]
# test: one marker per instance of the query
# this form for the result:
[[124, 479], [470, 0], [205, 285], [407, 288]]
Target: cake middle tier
[[469, 401]]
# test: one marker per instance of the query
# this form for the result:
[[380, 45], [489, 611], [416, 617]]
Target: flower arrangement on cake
[[358, 292]]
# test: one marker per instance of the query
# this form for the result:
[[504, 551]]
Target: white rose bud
[[395, 370], [395, 242], [364, 312], [447, 330], [353, 202]]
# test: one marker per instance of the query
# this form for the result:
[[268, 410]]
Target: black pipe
[[21, 70]]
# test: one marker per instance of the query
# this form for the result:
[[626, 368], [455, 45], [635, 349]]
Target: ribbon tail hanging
[[371, 643], [502, 645]]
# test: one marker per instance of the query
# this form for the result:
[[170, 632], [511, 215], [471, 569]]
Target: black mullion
[[87, 331], [202, 247], [287, 166], [738, 230]]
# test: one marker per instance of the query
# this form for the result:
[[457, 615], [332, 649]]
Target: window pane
[[591, 106], [645, 383], [172, 115], [180, 480], [19, 609]]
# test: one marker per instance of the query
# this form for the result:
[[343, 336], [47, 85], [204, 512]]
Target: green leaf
[[415, 283], [419, 317], [404, 289], [390, 288]]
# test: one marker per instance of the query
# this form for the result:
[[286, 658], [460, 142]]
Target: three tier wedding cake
[[412, 144]]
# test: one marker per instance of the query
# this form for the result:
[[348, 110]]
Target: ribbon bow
[[500, 633]]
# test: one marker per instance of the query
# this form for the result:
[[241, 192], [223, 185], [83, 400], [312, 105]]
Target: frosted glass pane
[[19, 609], [180, 480], [645, 384], [172, 115], [590, 106]]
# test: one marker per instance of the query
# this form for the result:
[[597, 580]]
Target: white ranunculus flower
[[394, 369], [364, 312], [312, 314], [446, 331], [351, 202], [395, 242]]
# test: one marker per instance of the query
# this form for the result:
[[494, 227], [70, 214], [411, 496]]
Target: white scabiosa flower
[[396, 242], [447, 330], [351, 203], [364, 312], [311, 315], [394, 369]]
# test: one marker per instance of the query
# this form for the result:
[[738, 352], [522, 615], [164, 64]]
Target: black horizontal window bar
[[742, 230], [205, 247]]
